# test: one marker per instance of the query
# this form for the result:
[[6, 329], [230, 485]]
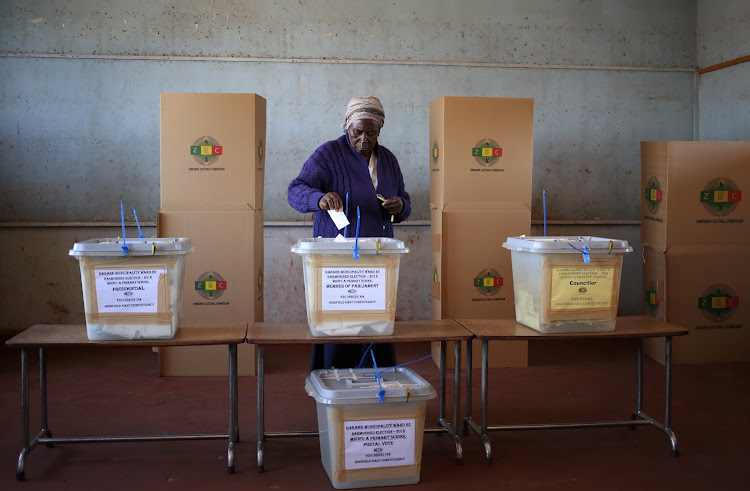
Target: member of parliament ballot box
[[351, 285]]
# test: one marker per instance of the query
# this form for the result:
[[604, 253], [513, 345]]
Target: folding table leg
[[261, 427], [26, 448], [233, 426]]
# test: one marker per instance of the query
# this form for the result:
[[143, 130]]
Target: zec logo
[[718, 303], [210, 285], [488, 282], [206, 150], [720, 196], [653, 195], [487, 152], [652, 300]]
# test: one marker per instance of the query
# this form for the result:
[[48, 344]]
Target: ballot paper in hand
[[339, 218]]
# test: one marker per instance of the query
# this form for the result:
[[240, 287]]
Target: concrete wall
[[723, 34], [79, 113]]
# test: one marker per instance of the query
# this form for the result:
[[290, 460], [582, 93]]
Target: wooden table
[[64, 336], [625, 328], [264, 333]]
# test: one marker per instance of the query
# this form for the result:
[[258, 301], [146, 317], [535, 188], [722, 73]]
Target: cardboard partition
[[481, 149], [223, 282], [700, 288], [471, 271], [213, 149], [691, 193], [205, 361]]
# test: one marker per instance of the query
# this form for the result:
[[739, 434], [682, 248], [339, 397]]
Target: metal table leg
[[236, 397], [233, 425], [639, 377], [44, 435], [639, 414], [639, 399], [469, 395], [45, 431], [481, 429], [668, 396], [443, 365], [261, 428], [26, 444], [443, 425], [457, 400], [485, 376]]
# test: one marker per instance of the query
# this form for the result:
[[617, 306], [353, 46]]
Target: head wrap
[[364, 108]]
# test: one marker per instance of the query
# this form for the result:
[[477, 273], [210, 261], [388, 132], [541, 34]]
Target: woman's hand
[[330, 201], [394, 205]]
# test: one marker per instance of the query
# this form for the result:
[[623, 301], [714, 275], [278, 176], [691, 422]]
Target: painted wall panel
[[725, 104], [722, 31], [589, 32], [723, 34], [83, 134]]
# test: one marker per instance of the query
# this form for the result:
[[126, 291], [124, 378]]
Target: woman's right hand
[[331, 201]]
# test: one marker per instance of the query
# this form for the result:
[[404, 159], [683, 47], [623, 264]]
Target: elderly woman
[[354, 164]]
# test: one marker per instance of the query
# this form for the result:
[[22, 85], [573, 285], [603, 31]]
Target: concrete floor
[[117, 391]]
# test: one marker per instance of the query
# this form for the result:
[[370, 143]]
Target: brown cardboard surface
[[702, 288], [471, 235], [205, 361], [223, 281], [233, 127], [461, 130], [692, 193]]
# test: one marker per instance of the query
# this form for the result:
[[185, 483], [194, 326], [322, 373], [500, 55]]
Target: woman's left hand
[[394, 205]]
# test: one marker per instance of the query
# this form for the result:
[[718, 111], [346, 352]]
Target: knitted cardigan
[[335, 166]]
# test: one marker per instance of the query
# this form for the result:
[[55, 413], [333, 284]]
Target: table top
[[625, 327], [50, 335], [403, 332]]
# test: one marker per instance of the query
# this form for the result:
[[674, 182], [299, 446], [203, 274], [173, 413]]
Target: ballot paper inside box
[[132, 288], [347, 296]]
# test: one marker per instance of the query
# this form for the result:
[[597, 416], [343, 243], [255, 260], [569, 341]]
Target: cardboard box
[[472, 276], [692, 193], [700, 288], [481, 149], [205, 361], [212, 149], [223, 282]]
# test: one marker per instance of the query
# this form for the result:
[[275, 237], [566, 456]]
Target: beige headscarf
[[364, 108]]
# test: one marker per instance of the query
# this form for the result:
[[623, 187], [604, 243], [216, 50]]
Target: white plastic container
[[557, 289], [133, 296], [347, 296], [365, 442]]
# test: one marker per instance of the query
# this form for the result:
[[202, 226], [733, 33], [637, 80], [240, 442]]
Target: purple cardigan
[[335, 166]]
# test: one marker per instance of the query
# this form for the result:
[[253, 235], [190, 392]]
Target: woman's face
[[363, 135]]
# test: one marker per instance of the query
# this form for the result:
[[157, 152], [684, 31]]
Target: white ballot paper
[[339, 218]]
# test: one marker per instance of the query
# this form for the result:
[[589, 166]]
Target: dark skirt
[[349, 355]]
